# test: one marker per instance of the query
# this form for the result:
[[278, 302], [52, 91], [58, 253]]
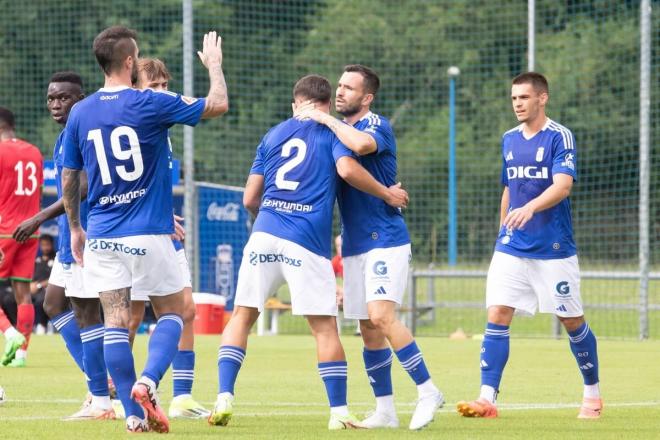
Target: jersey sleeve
[[258, 163], [177, 109], [339, 150], [382, 133], [564, 157], [72, 154]]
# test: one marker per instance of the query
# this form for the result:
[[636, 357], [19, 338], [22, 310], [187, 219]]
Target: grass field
[[280, 396]]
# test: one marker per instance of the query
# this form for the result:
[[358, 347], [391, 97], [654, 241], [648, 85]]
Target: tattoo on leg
[[116, 307]]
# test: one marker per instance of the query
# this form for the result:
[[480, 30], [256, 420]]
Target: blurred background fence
[[589, 50]]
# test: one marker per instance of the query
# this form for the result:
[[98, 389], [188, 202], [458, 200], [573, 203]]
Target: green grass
[[280, 396]]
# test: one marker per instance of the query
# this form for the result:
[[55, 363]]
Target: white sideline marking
[[448, 408]]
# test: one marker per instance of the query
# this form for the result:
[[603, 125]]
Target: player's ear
[[367, 99]]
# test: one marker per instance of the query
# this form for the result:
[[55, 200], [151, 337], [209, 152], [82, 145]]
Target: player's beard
[[349, 110]]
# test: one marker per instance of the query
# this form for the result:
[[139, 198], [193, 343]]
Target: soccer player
[[81, 328], [376, 252], [535, 263], [295, 169], [119, 136], [21, 178], [153, 74]]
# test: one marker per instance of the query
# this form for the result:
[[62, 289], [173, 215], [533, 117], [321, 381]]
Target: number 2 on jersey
[[296, 160], [134, 153]]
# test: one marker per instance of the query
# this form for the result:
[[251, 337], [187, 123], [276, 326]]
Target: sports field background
[[279, 394]]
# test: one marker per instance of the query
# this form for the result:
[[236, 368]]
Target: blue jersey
[[64, 254], [367, 221], [119, 136], [528, 167], [297, 160]]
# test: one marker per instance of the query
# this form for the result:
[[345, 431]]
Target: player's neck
[[351, 120], [6, 135], [530, 128], [117, 80]]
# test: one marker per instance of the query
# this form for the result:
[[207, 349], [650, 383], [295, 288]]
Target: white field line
[[448, 408]]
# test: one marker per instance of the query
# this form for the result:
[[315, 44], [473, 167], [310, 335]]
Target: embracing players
[[118, 135], [21, 178], [535, 261], [376, 251], [295, 169]]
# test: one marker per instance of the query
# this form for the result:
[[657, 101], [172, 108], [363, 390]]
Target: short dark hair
[[112, 46], [7, 118], [153, 68], [369, 76], [47, 237], [538, 81], [313, 87], [67, 76]]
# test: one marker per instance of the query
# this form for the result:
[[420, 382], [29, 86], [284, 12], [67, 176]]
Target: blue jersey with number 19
[[367, 221], [528, 169], [119, 136], [297, 160]]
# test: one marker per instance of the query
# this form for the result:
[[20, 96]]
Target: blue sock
[[119, 360], [412, 361], [183, 372], [163, 346], [230, 359], [494, 354], [378, 364], [334, 375], [66, 324], [583, 346], [92, 345]]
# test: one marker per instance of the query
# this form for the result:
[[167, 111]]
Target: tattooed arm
[[71, 198]]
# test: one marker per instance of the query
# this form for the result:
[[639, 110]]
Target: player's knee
[[54, 304], [500, 315], [382, 321], [572, 324]]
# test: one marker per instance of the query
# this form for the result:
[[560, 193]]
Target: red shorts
[[17, 260]]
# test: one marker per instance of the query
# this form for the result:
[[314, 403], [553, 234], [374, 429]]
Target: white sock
[[229, 395], [488, 393], [151, 383], [21, 354], [591, 391], [102, 402], [182, 397], [385, 404], [426, 389], [11, 332], [339, 410]]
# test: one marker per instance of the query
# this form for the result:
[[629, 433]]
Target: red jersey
[[21, 179], [338, 266]]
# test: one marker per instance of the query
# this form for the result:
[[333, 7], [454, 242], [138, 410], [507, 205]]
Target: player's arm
[[71, 199], [352, 172], [217, 101], [555, 193], [504, 205], [254, 189], [28, 227], [359, 142]]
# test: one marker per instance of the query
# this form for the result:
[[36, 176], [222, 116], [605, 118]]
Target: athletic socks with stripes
[[494, 356], [163, 346], [230, 359], [66, 324], [94, 363], [119, 360], [378, 364], [412, 361], [584, 348], [183, 372], [334, 375]]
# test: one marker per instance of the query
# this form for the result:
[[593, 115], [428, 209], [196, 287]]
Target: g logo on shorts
[[380, 268], [563, 288]]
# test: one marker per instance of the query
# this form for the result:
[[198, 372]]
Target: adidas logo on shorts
[[380, 291]]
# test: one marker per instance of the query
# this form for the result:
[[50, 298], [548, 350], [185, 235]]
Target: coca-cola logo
[[225, 213]]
